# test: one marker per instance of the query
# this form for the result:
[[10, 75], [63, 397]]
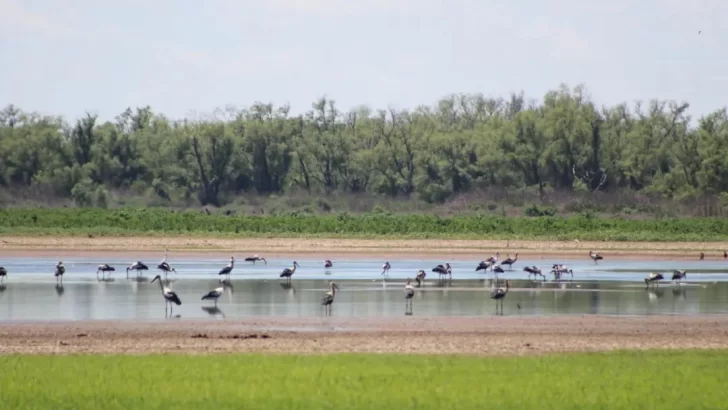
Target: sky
[[182, 56]]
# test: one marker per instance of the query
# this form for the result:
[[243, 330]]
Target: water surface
[[611, 288]]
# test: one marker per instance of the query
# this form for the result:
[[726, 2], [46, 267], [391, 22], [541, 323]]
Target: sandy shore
[[435, 335], [351, 248]]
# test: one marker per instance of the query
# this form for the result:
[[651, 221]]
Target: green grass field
[[132, 221], [621, 380]]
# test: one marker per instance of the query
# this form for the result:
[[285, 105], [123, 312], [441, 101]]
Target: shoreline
[[492, 336], [40, 246]]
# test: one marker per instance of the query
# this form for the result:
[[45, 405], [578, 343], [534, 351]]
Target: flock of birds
[[492, 263]]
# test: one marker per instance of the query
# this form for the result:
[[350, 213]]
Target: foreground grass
[[621, 380], [133, 221]]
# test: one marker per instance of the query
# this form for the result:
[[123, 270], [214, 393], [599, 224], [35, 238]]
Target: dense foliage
[[565, 142], [125, 221]]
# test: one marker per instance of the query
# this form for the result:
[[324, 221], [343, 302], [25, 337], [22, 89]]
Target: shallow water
[[611, 288]]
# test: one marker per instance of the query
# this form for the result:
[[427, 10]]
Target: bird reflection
[[288, 286], [679, 292], [139, 279], [213, 311], [59, 290], [106, 279], [3, 287], [655, 293], [227, 285]]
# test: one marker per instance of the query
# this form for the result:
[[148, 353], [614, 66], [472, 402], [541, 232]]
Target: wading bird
[[443, 270], [679, 275], [227, 269], [288, 272], [255, 258], [510, 261], [214, 294], [328, 264], [595, 256], [164, 266], [420, 278], [483, 265], [559, 270], [725, 254], [329, 298], [702, 256], [409, 292], [103, 269], [60, 270], [137, 266], [170, 297], [385, 268], [654, 277], [535, 271], [500, 294], [493, 259], [3, 274]]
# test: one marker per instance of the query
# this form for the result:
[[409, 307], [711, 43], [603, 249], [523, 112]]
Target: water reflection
[[134, 299]]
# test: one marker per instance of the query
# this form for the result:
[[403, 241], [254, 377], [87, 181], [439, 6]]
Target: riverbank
[[141, 246], [494, 336]]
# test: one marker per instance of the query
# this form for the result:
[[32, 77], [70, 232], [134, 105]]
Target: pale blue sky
[[68, 56]]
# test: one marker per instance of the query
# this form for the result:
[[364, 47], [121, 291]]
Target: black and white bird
[[483, 265], [654, 277], [420, 278], [328, 299], [508, 261], [104, 269], [679, 275], [60, 270], [288, 272], [595, 256], [385, 268], [535, 271], [228, 269], [409, 292], [138, 266], [170, 298], [255, 258], [500, 294], [328, 264], [164, 266], [3, 274], [214, 294], [443, 270]]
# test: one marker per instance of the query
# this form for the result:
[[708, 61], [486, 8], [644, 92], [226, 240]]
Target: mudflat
[[406, 335], [350, 248]]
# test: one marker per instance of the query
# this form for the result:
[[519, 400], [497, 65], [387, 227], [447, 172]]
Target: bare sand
[[350, 248], [495, 336]]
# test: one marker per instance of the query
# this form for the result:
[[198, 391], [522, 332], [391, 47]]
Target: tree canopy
[[564, 142]]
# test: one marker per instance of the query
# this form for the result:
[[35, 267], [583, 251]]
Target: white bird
[[137, 266], [169, 296], [214, 294], [385, 268], [227, 269]]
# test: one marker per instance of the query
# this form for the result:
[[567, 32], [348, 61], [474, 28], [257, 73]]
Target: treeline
[[564, 143]]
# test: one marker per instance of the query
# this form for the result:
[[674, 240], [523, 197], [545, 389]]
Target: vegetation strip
[[616, 380], [136, 221]]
